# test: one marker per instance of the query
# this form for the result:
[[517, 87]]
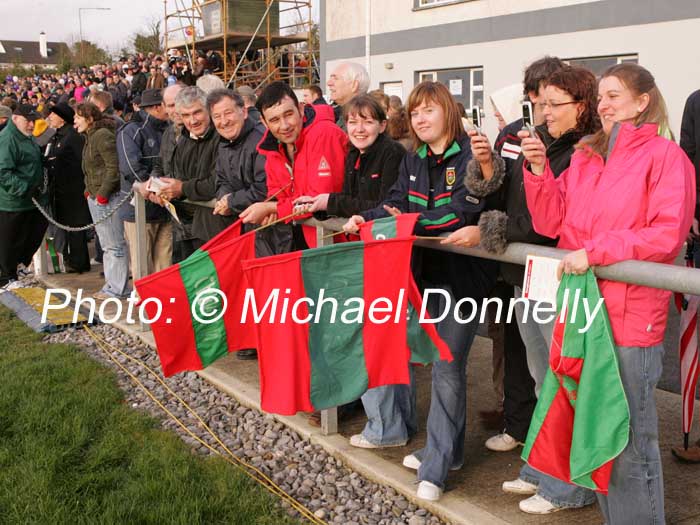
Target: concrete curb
[[449, 508]]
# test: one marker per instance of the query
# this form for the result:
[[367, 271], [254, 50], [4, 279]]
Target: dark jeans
[[21, 233], [518, 386]]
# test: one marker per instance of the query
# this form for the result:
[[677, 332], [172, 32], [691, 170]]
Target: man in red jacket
[[305, 154]]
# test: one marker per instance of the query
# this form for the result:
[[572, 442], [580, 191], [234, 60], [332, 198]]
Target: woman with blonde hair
[[629, 193]]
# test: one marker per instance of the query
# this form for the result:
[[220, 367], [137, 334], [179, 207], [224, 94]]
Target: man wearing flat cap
[[63, 161], [138, 147], [22, 226], [5, 115]]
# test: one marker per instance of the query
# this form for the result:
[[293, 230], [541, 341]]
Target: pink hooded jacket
[[637, 205]]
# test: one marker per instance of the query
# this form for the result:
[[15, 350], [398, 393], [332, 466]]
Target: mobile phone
[[476, 118], [528, 117]]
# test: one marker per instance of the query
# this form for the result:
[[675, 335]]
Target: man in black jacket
[[63, 161], [138, 146], [690, 142], [194, 165], [240, 170]]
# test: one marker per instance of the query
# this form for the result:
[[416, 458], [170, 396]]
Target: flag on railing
[[688, 350], [314, 355], [423, 340], [581, 421], [201, 299]]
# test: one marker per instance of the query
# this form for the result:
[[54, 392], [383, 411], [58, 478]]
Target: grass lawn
[[72, 452]]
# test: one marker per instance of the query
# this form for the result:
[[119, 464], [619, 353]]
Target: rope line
[[249, 470]]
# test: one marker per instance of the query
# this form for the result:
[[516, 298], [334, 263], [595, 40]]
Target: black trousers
[[75, 251], [21, 233], [518, 386], [73, 246]]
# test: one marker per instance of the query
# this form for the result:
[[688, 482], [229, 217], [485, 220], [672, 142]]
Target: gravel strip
[[304, 470]]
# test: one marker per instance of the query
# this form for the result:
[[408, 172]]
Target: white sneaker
[[538, 505], [360, 441], [502, 443], [428, 491], [519, 486], [412, 462]]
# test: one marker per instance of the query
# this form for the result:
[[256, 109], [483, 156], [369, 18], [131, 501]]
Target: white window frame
[[424, 76], [620, 58], [473, 87], [426, 4]]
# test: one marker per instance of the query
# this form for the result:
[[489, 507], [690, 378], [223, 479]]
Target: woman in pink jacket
[[629, 193]]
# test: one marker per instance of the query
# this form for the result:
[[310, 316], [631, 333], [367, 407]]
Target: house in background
[[478, 46], [28, 54]]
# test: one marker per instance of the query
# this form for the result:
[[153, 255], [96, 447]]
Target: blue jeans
[[111, 235], [391, 414], [636, 490], [447, 417], [538, 338]]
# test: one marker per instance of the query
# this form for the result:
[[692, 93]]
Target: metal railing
[[656, 275]]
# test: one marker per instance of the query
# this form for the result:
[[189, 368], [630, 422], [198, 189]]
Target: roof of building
[[27, 52]]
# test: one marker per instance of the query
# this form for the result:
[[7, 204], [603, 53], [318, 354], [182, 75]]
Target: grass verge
[[71, 450]]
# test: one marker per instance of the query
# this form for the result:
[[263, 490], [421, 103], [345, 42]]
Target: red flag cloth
[[423, 339], [201, 300], [687, 306], [312, 356]]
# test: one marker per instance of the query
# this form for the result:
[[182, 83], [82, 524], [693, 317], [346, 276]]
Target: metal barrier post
[[41, 260], [329, 417], [141, 269]]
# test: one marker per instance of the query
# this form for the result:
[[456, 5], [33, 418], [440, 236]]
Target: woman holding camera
[[628, 157], [568, 102], [427, 185]]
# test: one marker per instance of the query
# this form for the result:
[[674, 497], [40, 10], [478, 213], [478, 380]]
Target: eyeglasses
[[555, 105]]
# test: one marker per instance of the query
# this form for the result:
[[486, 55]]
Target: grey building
[[479, 46]]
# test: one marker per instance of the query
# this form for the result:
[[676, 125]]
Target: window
[[427, 76], [423, 4], [465, 84], [599, 64], [392, 88], [18, 49]]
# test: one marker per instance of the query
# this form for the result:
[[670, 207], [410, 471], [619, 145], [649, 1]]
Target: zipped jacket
[[316, 167], [636, 204]]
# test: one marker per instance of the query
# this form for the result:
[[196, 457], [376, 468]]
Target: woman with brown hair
[[628, 194], [427, 185], [568, 101], [101, 170], [371, 165]]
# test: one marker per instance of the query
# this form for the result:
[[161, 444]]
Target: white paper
[[456, 87], [540, 282]]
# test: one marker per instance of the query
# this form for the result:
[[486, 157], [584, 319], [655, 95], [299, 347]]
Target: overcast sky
[[25, 19]]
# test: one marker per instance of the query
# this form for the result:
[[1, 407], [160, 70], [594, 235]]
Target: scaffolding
[[258, 41]]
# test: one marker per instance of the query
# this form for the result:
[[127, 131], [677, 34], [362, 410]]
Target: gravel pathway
[[304, 470]]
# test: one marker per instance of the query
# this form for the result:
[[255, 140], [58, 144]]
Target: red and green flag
[[201, 299], [425, 344], [313, 355], [581, 421]]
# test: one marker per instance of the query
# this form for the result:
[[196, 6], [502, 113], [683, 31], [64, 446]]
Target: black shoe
[[71, 269], [249, 354]]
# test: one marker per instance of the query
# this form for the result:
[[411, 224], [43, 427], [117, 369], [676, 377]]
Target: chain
[[88, 226]]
